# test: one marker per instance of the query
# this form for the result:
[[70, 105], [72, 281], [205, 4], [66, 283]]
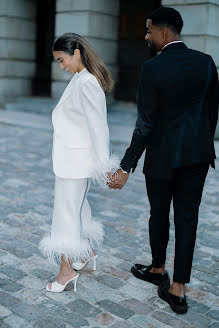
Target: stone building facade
[[115, 28]]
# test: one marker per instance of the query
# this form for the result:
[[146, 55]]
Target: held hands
[[117, 180]]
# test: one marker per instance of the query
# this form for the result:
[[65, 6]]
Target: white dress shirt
[[171, 43]]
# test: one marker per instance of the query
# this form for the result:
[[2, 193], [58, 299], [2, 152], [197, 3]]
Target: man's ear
[[164, 31], [77, 53]]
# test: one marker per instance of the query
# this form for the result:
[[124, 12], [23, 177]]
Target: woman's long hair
[[68, 42]]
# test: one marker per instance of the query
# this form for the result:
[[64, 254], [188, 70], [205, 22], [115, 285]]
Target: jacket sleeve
[[94, 105], [213, 98], [147, 106]]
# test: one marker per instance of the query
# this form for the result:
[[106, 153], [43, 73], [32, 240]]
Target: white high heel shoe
[[81, 265], [58, 288]]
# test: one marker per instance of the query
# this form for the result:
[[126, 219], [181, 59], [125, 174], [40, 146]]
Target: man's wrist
[[123, 171]]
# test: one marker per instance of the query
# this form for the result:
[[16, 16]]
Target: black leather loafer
[[141, 271], [177, 304]]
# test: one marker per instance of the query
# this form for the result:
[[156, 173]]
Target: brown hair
[[68, 42]]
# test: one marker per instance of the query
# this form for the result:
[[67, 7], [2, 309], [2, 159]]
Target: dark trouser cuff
[[180, 279]]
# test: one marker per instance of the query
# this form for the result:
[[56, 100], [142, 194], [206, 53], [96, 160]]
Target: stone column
[[201, 26], [17, 47], [97, 21]]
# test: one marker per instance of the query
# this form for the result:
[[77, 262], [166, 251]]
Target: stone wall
[[201, 24], [201, 27], [17, 47], [97, 21]]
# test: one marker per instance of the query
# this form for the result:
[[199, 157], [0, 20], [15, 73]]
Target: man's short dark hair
[[169, 17]]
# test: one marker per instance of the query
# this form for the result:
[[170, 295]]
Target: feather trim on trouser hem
[[53, 250], [110, 166], [93, 231], [92, 237]]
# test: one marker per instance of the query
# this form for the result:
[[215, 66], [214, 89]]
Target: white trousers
[[74, 233]]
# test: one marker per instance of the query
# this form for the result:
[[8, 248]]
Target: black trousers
[[185, 190]]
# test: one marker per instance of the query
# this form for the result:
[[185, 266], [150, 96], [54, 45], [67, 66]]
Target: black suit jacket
[[178, 99]]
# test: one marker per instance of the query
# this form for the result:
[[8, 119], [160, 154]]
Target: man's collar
[[173, 45], [178, 41]]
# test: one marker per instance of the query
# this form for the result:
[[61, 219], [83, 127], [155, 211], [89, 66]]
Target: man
[[177, 115]]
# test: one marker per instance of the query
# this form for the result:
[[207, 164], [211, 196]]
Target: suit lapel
[[70, 86]]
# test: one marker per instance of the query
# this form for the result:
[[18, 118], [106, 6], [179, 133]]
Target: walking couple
[[177, 102]]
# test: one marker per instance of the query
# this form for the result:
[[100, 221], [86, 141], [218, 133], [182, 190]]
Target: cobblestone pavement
[[111, 296]]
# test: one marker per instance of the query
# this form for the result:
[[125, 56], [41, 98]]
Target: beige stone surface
[[18, 8], [104, 6], [13, 27], [15, 68], [188, 2], [87, 24], [106, 49], [72, 22]]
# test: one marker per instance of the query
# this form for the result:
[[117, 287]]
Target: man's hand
[[118, 179]]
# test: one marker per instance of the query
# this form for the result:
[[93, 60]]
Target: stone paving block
[[9, 285], [203, 268], [125, 256], [215, 258], [146, 322], [108, 241], [4, 312], [34, 249], [139, 321], [15, 321], [137, 306], [29, 312], [104, 319], [74, 320], [120, 324], [194, 292], [31, 296], [196, 318], [4, 324], [41, 274], [10, 259], [197, 306], [124, 265], [94, 291], [210, 289], [210, 243], [110, 281], [213, 314], [215, 266], [207, 278], [138, 292], [32, 281], [2, 252], [83, 308], [52, 306], [12, 272], [214, 325], [116, 309], [169, 320], [21, 253], [62, 298], [157, 303], [116, 272]]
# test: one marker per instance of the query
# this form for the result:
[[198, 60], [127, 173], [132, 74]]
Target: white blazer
[[81, 136]]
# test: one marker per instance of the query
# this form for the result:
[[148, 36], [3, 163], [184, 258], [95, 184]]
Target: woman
[[80, 153]]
